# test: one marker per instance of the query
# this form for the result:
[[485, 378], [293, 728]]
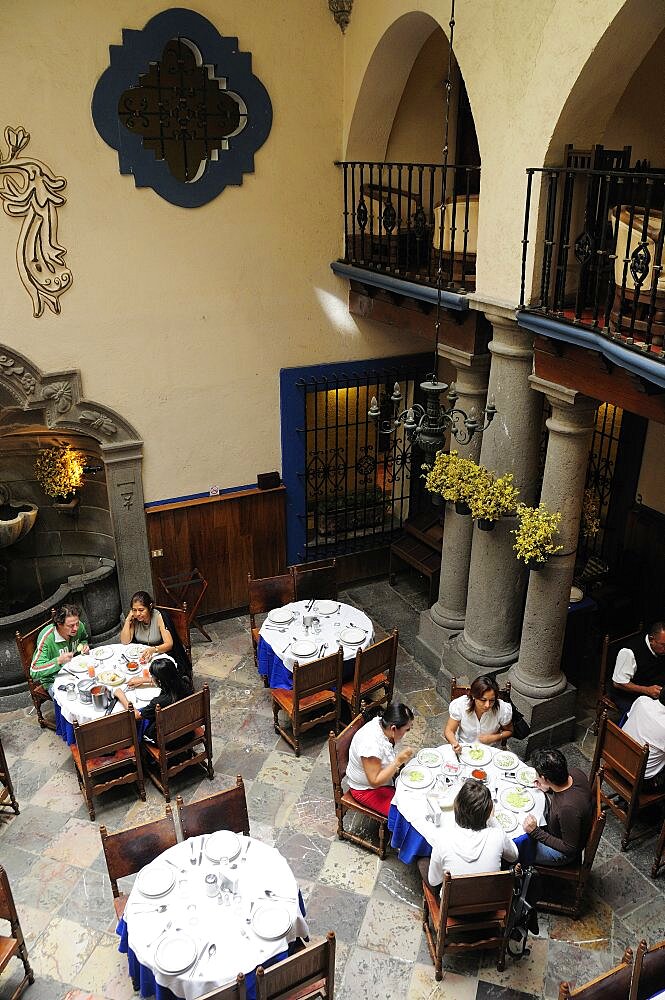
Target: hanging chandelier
[[428, 425]]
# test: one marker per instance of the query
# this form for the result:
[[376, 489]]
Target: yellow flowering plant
[[535, 533], [493, 497], [452, 477], [59, 470]]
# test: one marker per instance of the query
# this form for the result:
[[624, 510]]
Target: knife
[[201, 851], [201, 954]]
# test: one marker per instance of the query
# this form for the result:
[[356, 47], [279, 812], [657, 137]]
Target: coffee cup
[[308, 621]]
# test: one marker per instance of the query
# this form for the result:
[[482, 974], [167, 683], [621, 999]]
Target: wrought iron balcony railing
[[392, 221], [598, 253]]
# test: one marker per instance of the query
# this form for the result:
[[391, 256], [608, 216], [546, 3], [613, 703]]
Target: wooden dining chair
[[624, 763], [234, 991], [316, 698], [264, 595], [7, 788], [316, 580], [608, 655], [183, 739], [107, 754], [574, 876], [458, 690], [648, 976], [612, 985], [473, 912], [13, 943], [225, 810], [374, 671], [127, 851], [187, 589], [658, 862], [309, 973], [26, 645], [338, 749], [180, 620]]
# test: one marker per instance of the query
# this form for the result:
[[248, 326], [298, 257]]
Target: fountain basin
[[16, 520]]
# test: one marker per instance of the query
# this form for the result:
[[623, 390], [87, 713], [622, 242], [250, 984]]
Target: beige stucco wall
[[639, 117], [651, 484]]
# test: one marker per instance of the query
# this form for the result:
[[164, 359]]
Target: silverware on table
[[201, 851], [201, 954], [161, 935], [183, 871], [192, 859]]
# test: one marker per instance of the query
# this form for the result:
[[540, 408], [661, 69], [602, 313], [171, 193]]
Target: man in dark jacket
[[569, 810], [640, 668]]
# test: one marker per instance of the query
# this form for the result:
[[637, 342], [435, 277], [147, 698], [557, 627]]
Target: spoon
[[150, 909], [211, 951], [275, 895]]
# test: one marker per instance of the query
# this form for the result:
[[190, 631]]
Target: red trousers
[[378, 799]]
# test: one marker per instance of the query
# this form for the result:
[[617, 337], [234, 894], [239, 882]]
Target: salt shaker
[[211, 884]]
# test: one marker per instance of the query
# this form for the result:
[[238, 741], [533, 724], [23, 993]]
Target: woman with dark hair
[[373, 760], [480, 717], [145, 624], [58, 642], [476, 843], [173, 686]]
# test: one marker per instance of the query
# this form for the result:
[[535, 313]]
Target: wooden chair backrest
[[234, 991], [299, 975], [608, 655], [316, 580], [127, 851], [619, 752], [7, 906], [106, 735], [270, 592], [648, 972], [179, 586], [612, 985], [225, 810], [319, 675], [457, 690], [338, 748], [180, 621], [598, 825], [463, 895], [26, 645], [182, 716], [379, 658]]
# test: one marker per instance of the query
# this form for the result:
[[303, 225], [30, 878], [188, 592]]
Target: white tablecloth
[[330, 628], [412, 803], [78, 711], [207, 921]]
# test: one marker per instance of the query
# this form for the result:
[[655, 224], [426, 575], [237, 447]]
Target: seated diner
[[58, 643], [646, 724], [147, 625], [480, 716], [640, 668], [373, 759], [570, 813], [173, 686]]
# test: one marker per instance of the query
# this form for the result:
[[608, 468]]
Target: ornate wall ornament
[[61, 394], [8, 366], [341, 11], [28, 188], [183, 109], [98, 422]]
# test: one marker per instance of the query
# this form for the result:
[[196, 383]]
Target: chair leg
[[382, 840]]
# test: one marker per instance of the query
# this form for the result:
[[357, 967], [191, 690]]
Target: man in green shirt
[[58, 643]]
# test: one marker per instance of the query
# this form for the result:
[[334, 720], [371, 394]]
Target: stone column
[[490, 640], [446, 617], [123, 463], [547, 701]]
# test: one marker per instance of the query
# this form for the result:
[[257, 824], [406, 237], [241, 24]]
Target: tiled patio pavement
[[53, 852]]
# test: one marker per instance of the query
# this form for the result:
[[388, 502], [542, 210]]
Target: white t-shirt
[[646, 724], [470, 852], [369, 741], [470, 726], [625, 666]]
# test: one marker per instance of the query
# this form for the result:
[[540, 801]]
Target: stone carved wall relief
[[29, 189]]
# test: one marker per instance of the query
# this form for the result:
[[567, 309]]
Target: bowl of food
[[479, 774], [132, 666]]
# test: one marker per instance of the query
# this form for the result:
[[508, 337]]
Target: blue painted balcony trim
[[620, 355], [410, 289]]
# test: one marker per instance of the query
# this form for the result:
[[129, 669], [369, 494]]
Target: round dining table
[[114, 659], [334, 625], [213, 915], [419, 816]]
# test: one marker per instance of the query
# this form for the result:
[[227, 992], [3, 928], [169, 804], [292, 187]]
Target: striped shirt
[[50, 644]]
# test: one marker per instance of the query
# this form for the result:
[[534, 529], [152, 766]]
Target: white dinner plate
[[326, 607], [79, 664], [509, 799], [102, 653], [133, 651], [303, 647], [476, 755], [526, 775], [142, 694], [353, 636], [416, 777], [430, 757], [175, 953], [156, 880], [111, 677], [271, 921], [505, 760], [222, 844], [507, 821], [280, 616]]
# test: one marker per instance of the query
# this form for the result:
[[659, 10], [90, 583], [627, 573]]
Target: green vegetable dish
[[476, 753], [415, 775], [505, 821], [504, 760], [518, 798]]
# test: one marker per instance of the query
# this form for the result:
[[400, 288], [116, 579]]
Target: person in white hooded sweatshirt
[[475, 844]]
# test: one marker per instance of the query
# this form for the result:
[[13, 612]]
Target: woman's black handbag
[[521, 728]]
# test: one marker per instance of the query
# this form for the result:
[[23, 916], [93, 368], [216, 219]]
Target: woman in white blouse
[[373, 760], [480, 717]]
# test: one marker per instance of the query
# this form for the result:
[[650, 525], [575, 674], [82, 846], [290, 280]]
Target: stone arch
[[59, 397]]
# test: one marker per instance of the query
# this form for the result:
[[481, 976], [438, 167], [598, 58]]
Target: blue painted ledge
[[424, 293]]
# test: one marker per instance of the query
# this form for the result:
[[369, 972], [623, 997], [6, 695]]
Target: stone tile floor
[[52, 851]]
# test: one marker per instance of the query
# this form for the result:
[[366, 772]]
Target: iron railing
[[359, 482], [598, 253], [392, 220]]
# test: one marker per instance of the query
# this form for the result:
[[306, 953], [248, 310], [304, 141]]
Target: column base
[[466, 662], [430, 640], [552, 721]]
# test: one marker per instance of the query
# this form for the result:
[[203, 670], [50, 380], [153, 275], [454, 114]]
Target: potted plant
[[59, 471], [453, 478], [492, 498], [535, 533]]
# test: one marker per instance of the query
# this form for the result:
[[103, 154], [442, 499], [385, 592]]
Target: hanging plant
[[534, 536], [452, 477], [59, 471], [493, 497]]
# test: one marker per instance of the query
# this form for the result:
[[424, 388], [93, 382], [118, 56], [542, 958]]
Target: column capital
[[462, 359], [562, 395]]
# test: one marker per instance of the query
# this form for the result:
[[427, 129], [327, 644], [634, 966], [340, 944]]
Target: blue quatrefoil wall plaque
[[182, 107]]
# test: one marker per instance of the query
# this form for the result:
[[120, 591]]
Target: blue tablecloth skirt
[[278, 675], [410, 845], [65, 730]]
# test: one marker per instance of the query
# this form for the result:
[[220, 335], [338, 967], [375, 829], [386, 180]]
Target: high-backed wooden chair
[[309, 973], [26, 645], [338, 748], [648, 977], [183, 739], [624, 763], [129, 850], [187, 588], [265, 595], [612, 985], [107, 754], [658, 862], [575, 876], [471, 906], [180, 620], [225, 810], [608, 655], [234, 991], [457, 690], [316, 698], [13, 943], [316, 580], [374, 671], [6, 786]]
